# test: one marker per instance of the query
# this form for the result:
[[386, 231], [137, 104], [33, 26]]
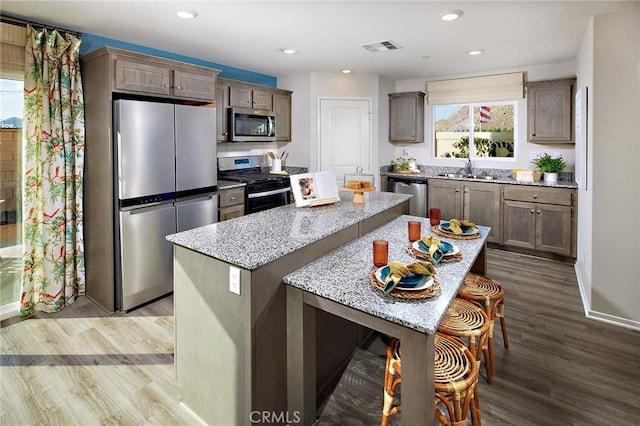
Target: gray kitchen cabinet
[[550, 111], [143, 74], [246, 96], [406, 117], [475, 201], [222, 102], [540, 219], [231, 203], [282, 111]]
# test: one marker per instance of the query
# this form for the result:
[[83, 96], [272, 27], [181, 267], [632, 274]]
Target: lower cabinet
[[475, 201], [231, 203], [539, 219]]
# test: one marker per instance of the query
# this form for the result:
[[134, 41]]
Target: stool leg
[[503, 325]]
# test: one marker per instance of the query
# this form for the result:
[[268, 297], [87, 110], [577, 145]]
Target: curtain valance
[[498, 87]]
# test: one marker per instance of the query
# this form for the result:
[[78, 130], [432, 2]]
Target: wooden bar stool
[[468, 322], [489, 294], [456, 382]]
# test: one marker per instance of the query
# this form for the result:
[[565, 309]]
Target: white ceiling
[[329, 34]]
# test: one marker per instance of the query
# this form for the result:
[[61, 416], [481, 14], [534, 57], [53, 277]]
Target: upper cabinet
[[406, 117], [550, 111], [232, 93], [282, 110], [243, 95], [149, 75]]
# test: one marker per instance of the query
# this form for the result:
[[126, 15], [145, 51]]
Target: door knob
[[533, 211]]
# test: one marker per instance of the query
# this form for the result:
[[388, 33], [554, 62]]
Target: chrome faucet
[[468, 170]]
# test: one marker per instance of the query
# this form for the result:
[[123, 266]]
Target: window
[[10, 189], [490, 125]]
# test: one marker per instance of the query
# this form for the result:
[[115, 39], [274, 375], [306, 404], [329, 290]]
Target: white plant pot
[[550, 177]]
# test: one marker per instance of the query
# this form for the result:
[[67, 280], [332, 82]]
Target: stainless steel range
[[264, 190]]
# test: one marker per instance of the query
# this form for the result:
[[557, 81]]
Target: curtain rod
[[18, 21]]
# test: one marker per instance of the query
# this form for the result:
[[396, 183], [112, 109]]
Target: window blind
[[499, 87], [13, 39]]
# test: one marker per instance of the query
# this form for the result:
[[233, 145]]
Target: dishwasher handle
[[406, 180]]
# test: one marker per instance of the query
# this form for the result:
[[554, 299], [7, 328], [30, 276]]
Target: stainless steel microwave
[[251, 125]]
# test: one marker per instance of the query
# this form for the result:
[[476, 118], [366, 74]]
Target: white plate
[[453, 252], [426, 284]]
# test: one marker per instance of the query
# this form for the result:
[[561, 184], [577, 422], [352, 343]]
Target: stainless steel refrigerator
[[166, 180]]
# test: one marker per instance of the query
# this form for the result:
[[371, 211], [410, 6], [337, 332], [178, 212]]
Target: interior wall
[[584, 71], [616, 176], [422, 152], [386, 150]]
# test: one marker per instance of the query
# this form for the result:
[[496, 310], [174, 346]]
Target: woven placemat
[[425, 256], [437, 230], [431, 291]]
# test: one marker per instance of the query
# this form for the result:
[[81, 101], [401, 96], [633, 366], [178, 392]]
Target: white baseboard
[[600, 316], [9, 310]]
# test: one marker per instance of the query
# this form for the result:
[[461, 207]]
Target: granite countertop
[[432, 173], [227, 184], [343, 276], [259, 238]]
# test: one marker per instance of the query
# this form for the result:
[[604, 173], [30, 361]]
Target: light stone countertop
[[259, 238], [342, 276], [227, 184], [501, 177]]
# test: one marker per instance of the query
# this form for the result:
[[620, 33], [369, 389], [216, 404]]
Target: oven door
[[267, 200]]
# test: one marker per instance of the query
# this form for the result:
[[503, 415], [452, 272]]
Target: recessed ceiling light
[[451, 15], [475, 52], [288, 51], [187, 14], [346, 71]]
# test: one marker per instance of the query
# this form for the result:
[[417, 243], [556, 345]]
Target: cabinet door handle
[[539, 212], [178, 88], [457, 190], [535, 196], [533, 134], [233, 198], [166, 86], [466, 191], [533, 211]]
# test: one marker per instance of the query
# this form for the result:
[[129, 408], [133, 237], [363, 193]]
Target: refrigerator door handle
[[145, 208]]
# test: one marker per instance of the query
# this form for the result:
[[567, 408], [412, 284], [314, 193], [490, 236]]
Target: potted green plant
[[550, 166]]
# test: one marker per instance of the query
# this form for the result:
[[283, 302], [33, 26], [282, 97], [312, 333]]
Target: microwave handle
[[272, 125]]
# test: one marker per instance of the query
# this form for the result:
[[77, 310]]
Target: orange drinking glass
[[380, 252], [434, 217], [414, 230]]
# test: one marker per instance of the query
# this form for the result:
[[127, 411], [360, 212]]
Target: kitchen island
[[231, 308], [339, 283]]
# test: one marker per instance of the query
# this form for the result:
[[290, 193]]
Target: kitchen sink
[[465, 176]]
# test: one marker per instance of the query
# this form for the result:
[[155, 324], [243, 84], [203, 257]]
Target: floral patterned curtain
[[53, 160]]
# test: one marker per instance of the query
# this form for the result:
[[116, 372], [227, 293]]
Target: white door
[[345, 136]]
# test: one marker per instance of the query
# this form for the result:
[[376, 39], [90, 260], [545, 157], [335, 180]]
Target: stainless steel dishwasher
[[415, 187]]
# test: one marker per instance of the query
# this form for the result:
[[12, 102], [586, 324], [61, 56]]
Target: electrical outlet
[[234, 280], [534, 154], [405, 152]]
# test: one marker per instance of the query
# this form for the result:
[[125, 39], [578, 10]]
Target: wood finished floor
[[560, 369]]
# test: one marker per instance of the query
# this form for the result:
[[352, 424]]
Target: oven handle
[[264, 194]]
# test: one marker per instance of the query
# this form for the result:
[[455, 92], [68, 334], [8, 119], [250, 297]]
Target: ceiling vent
[[381, 46]]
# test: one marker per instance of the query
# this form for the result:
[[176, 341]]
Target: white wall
[[615, 285], [423, 151]]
